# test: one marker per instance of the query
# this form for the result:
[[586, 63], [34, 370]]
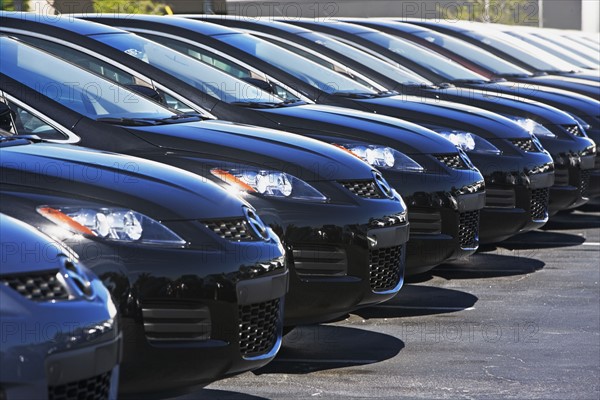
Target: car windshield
[[200, 75], [526, 53], [442, 66], [473, 53], [397, 73], [573, 45], [73, 87], [308, 71], [558, 51]]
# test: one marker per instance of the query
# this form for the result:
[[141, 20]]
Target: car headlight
[[383, 157], [268, 183], [470, 142], [533, 127], [118, 224]]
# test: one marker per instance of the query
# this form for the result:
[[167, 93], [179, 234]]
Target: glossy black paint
[[342, 222], [567, 149], [336, 126], [583, 82], [565, 93], [433, 114], [207, 273], [46, 340]]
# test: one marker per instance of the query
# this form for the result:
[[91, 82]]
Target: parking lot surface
[[520, 320]]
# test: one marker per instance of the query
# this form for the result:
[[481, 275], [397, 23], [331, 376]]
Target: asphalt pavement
[[518, 320]]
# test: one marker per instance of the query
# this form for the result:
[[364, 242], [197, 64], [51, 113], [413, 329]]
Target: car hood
[[228, 142], [336, 124], [503, 104], [439, 113], [17, 236], [157, 190], [564, 100]]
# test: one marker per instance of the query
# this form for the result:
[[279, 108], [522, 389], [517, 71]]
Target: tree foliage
[[510, 12], [129, 7]]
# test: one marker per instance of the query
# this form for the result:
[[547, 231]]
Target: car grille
[[236, 229], [561, 177], [452, 161], [95, 388], [500, 198], [384, 268], [573, 130], [363, 188], [319, 260], [584, 184], [37, 286], [597, 160], [539, 204], [468, 229], [259, 324], [525, 145], [425, 222], [385, 222], [165, 322]]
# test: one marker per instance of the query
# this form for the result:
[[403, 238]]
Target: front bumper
[[341, 256], [572, 185], [192, 316], [444, 220], [52, 348], [513, 209]]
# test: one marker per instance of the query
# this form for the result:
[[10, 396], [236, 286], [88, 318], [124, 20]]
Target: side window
[[85, 61], [25, 123], [223, 64]]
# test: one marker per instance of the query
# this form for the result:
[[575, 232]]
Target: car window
[[211, 81], [77, 89], [319, 60], [301, 68], [228, 66], [100, 67], [25, 123], [440, 65]]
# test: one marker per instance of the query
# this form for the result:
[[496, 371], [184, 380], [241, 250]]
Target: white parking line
[[591, 243]]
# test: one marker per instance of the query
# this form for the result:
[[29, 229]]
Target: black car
[[495, 93], [60, 330], [450, 120], [197, 278], [559, 133], [335, 214], [425, 183], [526, 56]]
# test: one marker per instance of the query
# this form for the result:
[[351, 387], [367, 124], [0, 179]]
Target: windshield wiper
[[386, 93], [474, 81], [149, 121], [256, 104], [18, 140], [126, 121], [356, 95], [516, 75]]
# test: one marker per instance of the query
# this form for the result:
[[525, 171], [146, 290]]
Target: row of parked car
[[224, 179]]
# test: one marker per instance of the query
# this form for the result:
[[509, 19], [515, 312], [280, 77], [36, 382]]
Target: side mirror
[[6, 117], [266, 86]]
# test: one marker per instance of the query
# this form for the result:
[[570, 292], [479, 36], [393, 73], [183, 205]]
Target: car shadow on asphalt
[[541, 240], [573, 220], [492, 265], [414, 300], [313, 348]]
